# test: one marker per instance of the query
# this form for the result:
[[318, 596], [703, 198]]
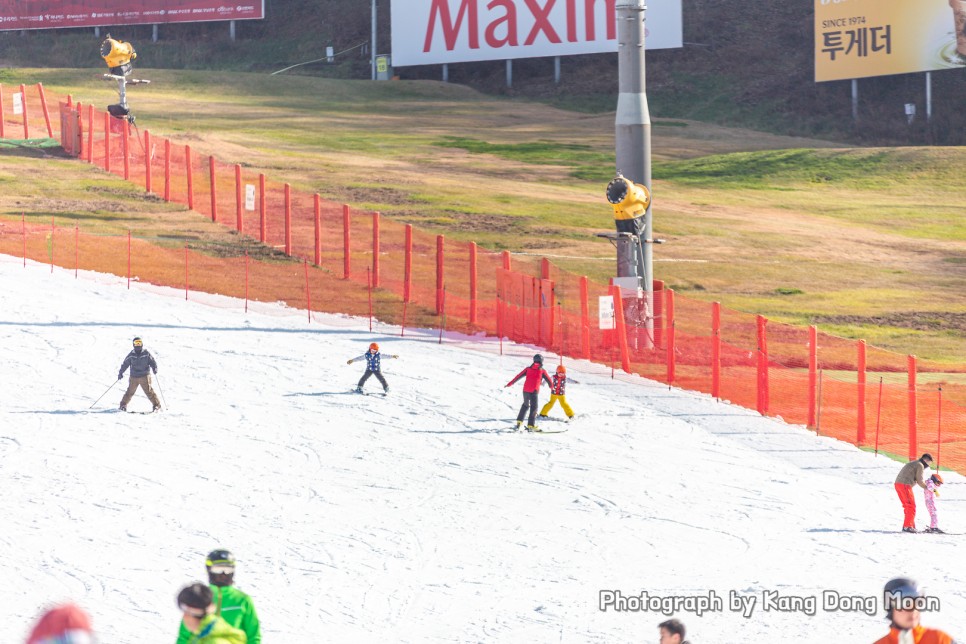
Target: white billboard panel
[[429, 32]]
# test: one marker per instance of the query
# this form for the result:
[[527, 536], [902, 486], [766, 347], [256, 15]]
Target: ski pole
[[104, 394], [159, 390]]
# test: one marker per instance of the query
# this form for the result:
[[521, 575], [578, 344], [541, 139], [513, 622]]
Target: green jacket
[[215, 630], [236, 608]]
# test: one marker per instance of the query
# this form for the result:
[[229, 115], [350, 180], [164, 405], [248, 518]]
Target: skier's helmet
[[561, 369], [897, 590], [538, 359], [138, 342], [221, 567], [936, 478], [373, 347]]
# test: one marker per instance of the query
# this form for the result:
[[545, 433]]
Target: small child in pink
[[931, 493]]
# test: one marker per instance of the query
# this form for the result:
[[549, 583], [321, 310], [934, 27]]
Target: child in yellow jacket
[[557, 393]]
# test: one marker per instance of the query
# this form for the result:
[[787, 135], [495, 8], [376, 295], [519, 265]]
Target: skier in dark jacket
[[141, 363], [373, 367], [535, 374]]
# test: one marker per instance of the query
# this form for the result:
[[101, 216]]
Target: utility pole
[[633, 138], [372, 54]]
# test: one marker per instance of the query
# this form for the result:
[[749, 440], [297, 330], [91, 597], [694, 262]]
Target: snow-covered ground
[[419, 517]]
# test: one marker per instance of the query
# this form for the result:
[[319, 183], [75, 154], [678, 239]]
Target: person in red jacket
[[899, 597], [535, 374]]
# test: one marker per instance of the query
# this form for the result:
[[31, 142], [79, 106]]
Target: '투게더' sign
[[860, 38]]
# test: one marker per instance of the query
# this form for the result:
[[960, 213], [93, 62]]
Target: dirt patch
[[370, 194], [920, 321]]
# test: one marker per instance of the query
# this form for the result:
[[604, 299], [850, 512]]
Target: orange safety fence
[[343, 260]]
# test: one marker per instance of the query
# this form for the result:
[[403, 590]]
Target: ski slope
[[418, 517]]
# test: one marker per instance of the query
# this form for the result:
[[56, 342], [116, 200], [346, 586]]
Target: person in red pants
[[911, 474]]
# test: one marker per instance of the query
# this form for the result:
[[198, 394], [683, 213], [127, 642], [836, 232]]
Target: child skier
[[531, 386], [373, 359], [931, 493], [142, 363], [557, 393]]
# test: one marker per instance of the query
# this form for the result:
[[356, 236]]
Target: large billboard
[[426, 32], [860, 38], [53, 14]]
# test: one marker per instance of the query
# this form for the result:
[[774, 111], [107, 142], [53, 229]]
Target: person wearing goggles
[[231, 604]]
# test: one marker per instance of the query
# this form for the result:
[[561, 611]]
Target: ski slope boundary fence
[[320, 255]]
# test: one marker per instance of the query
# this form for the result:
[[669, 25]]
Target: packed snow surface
[[419, 517]]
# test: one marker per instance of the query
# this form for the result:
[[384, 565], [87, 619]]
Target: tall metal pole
[[633, 132], [372, 54]]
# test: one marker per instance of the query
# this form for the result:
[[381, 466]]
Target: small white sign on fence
[[250, 196], [17, 103], [608, 320]]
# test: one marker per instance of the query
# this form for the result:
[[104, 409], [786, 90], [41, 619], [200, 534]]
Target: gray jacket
[[911, 474], [140, 364]]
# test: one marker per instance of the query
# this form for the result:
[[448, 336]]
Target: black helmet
[[538, 359], [197, 595], [221, 567], [898, 589]]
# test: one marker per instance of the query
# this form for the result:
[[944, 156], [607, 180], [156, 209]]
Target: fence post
[[939, 430], [506, 260], [125, 148], [167, 169], [308, 293], [913, 416], [812, 372], [669, 332], [860, 407], [408, 267], [716, 349], [90, 133], [472, 282], [369, 289], [762, 366], [212, 189], [439, 274], [346, 257], [239, 200], [107, 142], [147, 161], [584, 319], [23, 101], [190, 175], [621, 330], [43, 105], [288, 219], [375, 250], [317, 209], [544, 268], [262, 224]]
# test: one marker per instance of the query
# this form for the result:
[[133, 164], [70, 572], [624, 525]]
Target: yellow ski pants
[[563, 403]]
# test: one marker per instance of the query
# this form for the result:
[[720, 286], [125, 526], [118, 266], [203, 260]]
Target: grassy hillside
[[748, 64], [866, 242]]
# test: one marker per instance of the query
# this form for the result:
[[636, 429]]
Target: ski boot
[[123, 407], [358, 390], [519, 425], [910, 530], [532, 428], [156, 408]]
